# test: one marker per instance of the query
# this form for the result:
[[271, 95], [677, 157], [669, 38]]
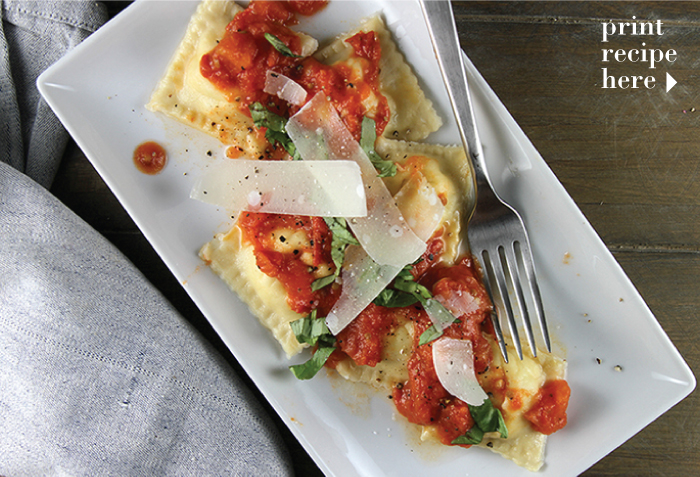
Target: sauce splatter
[[149, 157]]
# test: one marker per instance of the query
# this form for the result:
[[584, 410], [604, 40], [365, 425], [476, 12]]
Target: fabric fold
[[99, 374], [34, 35], [12, 148]]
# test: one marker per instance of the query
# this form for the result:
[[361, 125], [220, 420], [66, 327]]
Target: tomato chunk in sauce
[[307, 7], [363, 339], [548, 414]]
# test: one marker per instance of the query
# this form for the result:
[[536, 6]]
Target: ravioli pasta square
[[234, 262], [447, 170], [186, 96], [413, 115], [524, 445]]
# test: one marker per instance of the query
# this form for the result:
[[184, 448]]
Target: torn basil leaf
[[341, 232], [310, 330], [275, 124], [368, 137], [342, 237], [431, 334], [391, 298], [324, 281], [313, 331], [403, 291], [280, 46], [410, 286], [472, 437], [264, 118], [486, 419], [309, 369], [438, 314]]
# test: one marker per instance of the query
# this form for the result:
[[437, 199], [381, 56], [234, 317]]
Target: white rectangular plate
[[99, 91]]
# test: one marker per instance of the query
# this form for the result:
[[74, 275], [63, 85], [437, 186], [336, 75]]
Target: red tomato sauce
[[239, 62], [238, 65], [307, 7], [345, 90], [422, 399], [548, 414], [363, 339], [294, 269], [150, 157]]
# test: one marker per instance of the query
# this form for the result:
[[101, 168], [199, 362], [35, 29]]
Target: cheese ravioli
[[185, 95]]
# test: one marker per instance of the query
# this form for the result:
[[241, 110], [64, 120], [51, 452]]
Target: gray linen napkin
[[99, 375], [33, 35]]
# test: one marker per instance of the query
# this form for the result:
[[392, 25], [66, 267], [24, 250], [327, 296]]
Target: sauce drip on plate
[[149, 157]]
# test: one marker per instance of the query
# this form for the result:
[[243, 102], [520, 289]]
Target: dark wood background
[[629, 158]]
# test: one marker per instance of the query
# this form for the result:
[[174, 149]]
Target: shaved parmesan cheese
[[318, 133], [454, 366], [363, 279], [284, 88], [438, 314], [420, 206], [285, 187], [309, 44]]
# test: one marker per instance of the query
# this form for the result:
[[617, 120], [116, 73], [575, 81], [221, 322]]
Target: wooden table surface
[[630, 158]]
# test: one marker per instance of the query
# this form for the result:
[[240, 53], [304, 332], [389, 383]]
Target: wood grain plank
[[646, 228], [576, 12], [624, 155]]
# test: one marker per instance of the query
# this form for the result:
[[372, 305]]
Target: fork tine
[[529, 266], [484, 262], [502, 298], [510, 261], [499, 335]]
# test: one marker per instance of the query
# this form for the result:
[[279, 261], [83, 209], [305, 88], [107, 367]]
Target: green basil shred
[[280, 46], [275, 124], [342, 237], [368, 136], [486, 419], [405, 292], [313, 331]]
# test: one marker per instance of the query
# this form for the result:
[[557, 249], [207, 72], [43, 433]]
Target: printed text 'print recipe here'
[[647, 31]]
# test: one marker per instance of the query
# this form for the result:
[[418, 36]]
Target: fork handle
[[443, 32]]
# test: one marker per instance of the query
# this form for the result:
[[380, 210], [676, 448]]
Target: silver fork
[[496, 233]]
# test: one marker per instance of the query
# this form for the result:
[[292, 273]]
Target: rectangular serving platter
[[99, 91]]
